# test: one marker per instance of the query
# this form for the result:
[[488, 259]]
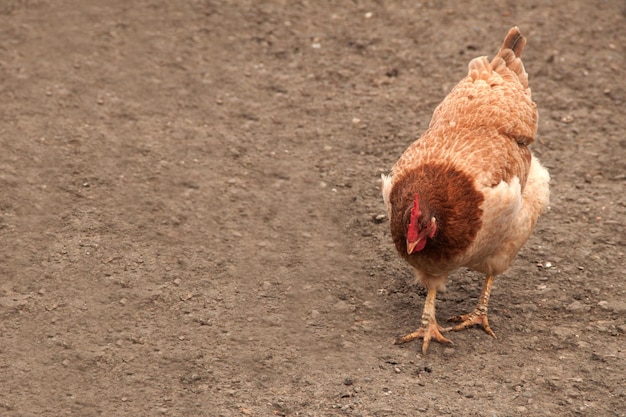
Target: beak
[[410, 246]]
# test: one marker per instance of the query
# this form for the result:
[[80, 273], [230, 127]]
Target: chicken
[[468, 192]]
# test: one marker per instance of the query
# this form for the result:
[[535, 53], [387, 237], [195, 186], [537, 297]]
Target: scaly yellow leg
[[430, 328], [479, 315]]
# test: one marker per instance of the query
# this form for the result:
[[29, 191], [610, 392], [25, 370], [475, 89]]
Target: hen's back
[[484, 124]]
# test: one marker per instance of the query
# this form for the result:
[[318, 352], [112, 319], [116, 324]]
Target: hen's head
[[421, 227]]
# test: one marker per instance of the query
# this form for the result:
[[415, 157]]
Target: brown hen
[[468, 192]]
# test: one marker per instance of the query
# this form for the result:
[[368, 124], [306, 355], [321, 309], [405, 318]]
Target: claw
[[476, 317], [432, 331]]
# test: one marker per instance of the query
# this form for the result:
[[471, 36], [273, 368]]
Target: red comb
[[412, 231]]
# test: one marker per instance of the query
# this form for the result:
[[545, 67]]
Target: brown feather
[[446, 194]]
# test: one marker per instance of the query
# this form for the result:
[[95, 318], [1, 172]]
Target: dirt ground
[[191, 222]]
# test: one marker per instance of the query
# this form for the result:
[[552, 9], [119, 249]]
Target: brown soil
[[191, 216]]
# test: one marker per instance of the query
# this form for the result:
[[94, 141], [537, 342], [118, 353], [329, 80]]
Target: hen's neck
[[448, 195]]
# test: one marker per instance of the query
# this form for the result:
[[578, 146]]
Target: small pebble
[[577, 306], [343, 306], [448, 352], [617, 306], [379, 218]]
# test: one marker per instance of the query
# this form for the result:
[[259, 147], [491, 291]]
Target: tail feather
[[514, 41], [509, 57]]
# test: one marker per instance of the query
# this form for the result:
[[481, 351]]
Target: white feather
[[507, 208], [386, 189]]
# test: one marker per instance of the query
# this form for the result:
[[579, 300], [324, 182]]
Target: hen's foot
[[429, 331], [477, 317]]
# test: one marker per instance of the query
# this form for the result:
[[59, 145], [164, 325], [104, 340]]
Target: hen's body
[[475, 176]]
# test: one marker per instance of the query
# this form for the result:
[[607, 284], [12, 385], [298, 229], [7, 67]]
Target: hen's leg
[[430, 329], [479, 315]]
